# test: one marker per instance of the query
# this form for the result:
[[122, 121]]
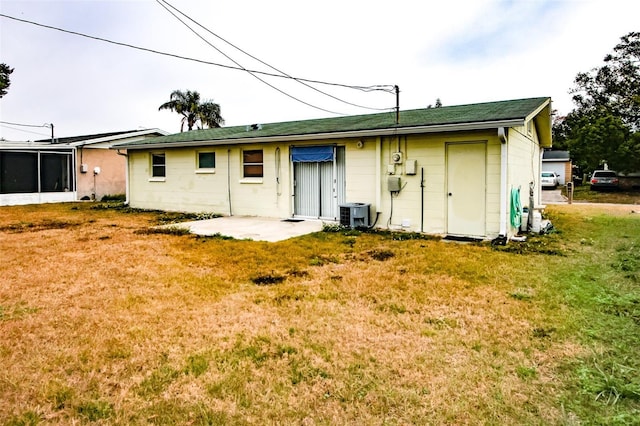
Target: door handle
[[450, 194]]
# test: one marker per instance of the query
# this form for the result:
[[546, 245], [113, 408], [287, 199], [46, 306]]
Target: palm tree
[[192, 110]]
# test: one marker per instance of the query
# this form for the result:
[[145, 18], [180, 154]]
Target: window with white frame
[[158, 165], [252, 163], [205, 161]]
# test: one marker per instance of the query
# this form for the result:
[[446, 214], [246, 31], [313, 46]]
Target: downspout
[[229, 179], [378, 176], [539, 171], [421, 199], [126, 177], [502, 135], [74, 167]]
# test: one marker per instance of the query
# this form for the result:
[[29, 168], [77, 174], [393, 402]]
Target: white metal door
[[466, 189]]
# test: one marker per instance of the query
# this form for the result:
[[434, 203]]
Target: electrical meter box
[[393, 184]]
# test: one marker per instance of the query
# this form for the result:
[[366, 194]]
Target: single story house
[[560, 163], [65, 169], [448, 171]]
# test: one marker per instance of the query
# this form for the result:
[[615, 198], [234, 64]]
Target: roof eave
[[442, 128], [120, 136], [541, 116]]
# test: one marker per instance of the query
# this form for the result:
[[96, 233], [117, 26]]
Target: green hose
[[516, 208]]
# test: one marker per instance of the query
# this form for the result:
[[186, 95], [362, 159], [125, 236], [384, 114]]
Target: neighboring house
[[69, 169], [559, 162], [447, 170]]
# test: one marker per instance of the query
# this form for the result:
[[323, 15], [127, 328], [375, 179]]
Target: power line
[[26, 125], [379, 87], [22, 130], [257, 59], [240, 66]]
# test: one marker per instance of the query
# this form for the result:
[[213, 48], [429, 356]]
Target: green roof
[[500, 111]]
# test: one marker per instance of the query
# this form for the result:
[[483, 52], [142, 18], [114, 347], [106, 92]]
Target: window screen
[[18, 172]]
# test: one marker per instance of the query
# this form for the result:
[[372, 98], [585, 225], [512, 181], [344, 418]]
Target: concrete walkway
[[552, 196], [253, 228]]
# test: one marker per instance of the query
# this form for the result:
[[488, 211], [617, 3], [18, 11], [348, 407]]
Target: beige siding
[[184, 189], [429, 153], [523, 165], [360, 164], [187, 189]]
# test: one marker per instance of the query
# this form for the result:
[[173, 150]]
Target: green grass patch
[[95, 410], [16, 311], [158, 381], [197, 365], [584, 193], [28, 418], [60, 396]]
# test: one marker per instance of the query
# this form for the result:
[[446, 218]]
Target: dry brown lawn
[[101, 321]]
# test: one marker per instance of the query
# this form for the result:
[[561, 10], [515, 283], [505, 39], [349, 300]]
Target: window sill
[[251, 180], [157, 179], [205, 171]]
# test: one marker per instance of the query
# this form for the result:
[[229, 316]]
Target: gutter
[[329, 135]]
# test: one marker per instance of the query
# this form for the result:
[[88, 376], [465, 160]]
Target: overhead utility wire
[[263, 62], [25, 125], [384, 88], [22, 130], [243, 68]]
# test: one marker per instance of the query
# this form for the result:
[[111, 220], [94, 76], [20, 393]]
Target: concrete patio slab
[[253, 228]]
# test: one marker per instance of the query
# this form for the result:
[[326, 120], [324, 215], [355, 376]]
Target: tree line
[[604, 127]]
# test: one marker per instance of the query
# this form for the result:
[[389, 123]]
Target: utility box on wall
[[410, 167], [354, 215], [393, 184]]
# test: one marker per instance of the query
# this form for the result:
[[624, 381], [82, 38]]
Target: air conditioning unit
[[396, 157], [354, 215]]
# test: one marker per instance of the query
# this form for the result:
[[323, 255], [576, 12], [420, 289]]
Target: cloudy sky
[[460, 51]]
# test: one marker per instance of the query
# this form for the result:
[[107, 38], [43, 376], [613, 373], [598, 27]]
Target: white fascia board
[[336, 135], [117, 137]]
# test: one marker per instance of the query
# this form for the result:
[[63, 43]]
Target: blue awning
[[312, 154]]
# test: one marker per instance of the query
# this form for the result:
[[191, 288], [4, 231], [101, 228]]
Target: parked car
[[604, 179], [549, 180]]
